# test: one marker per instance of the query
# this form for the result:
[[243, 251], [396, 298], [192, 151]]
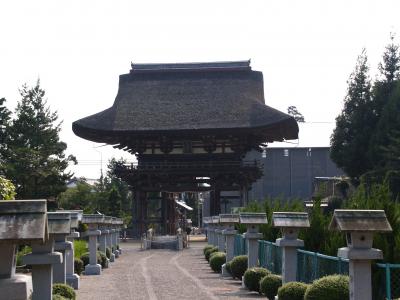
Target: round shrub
[[206, 248], [239, 266], [270, 284], [292, 291], [85, 258], [333, 287], [253, 276], [78, 266], [64, 290], [58, 297], [217, 259], [103, 259], [228, 267], [209, 251], [108, 252]]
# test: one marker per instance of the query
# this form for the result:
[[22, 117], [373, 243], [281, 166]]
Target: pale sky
[[305, 49]]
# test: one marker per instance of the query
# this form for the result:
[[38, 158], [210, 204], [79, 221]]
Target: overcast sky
[[305, 49]]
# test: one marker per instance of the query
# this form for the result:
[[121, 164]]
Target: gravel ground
[[160, 274]]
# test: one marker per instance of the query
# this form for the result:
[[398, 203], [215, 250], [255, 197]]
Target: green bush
[[103, 259], [80, 248], [209, 251], [253, 276], [58, 297], [269, 285], [85, 258], [78, 266], [217, 259], [333, 287], [206, 248], [23, 251], [292, 291], [108, 252], [228, 267], [64, 290], [239, 266]]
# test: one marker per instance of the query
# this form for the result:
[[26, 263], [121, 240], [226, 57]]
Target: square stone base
[[17, 288], [225, 272], [73, 280], [93, 269], [112, 257], [116, 253]]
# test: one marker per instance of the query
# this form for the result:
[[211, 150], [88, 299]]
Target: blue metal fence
[[270, 256], [313, 265], [390, 280], [240, 247]]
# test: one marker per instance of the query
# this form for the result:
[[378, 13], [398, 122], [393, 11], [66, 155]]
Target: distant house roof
[[188, 98]]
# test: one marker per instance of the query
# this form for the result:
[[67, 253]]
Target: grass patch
[[80, 248]]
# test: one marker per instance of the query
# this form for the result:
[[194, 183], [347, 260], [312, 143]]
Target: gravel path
[[159, 275]]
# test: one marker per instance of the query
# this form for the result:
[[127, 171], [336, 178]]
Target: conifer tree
[[4, 125], [36, 162], [351, 137]]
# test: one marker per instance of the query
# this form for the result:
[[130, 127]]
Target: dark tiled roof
[[188, 97]]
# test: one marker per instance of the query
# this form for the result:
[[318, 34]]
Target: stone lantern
[[43, 258], [206, 222], [220, 239], [214, 225], [93, 221], [228, 221], [359, 227], [104, 229], [21, 222], [290, 224], [252, 235], [114, 232], [71, 277], [119, 225]]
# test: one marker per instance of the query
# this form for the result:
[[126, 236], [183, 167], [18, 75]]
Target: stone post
[[359, 226], [14, 218], [206, 223], [103, 227], [93, 268], [214, 228], [60, 243], [290, 224], [114, 236], [72, 278], [179, 236], [109, 238], [252, 235], [228, 220], [220, 239], [119, 226], [43, 257]]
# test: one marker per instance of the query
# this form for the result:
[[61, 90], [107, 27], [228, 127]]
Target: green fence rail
[[240, 247], [270, 256], [313, 265], [390, 283]]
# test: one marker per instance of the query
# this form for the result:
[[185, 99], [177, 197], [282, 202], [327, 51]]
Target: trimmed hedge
[[292, 291], [228, 267], [333, 287], [103, 259], [58, 297], [64, 290], [270, 284], [78, 266], [108, 252], [253, 276], [206, 248], [239, 266], [100, 256], [209, 251], [217, 259]]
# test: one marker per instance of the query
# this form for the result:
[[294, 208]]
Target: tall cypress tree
[[351, 137], [37, 161], [386, 104], [4, 126]]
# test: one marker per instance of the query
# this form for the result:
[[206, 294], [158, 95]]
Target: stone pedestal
[[109, 245], [42, 260], [114, 242], [62, 246], [220, 240], [93, 268], [360, 270], [252, 247], [71, 278], [103, 242], [289, 258], [12, 286]]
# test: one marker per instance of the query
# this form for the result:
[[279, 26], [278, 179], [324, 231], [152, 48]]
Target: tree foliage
[[35, 160], [351, 136], [292, 110], [7, 189], [4, 125]]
